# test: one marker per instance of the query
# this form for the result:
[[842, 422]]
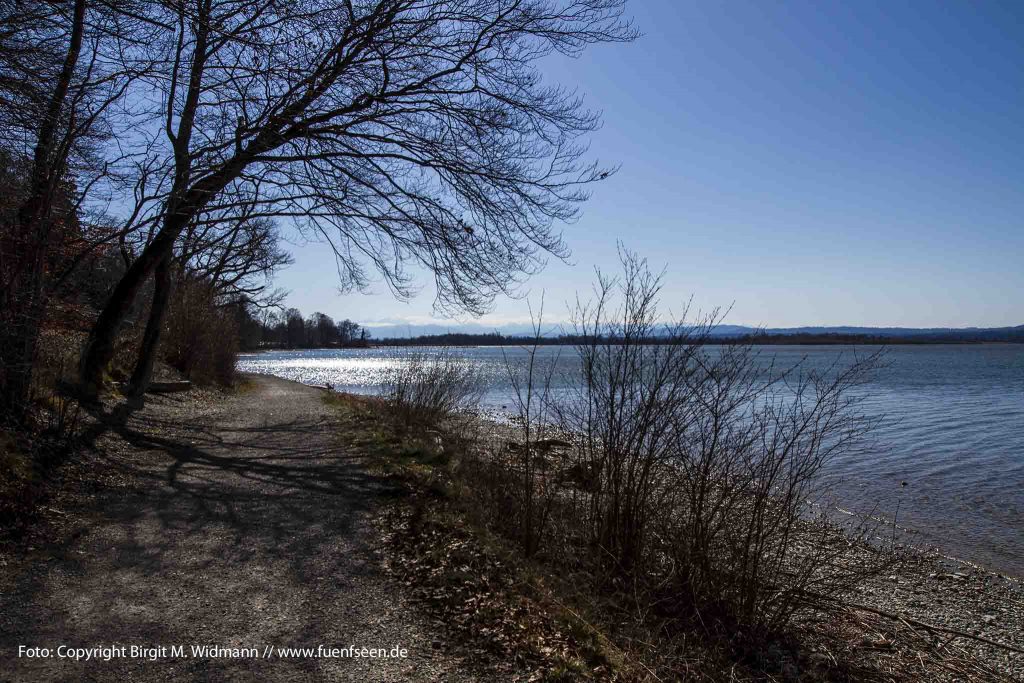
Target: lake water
[[953, 430]]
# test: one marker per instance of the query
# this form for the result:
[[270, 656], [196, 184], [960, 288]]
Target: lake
[[953, 430]]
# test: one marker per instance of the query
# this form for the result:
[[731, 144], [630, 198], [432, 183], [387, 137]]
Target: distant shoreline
[[463, 340], [756, 340]]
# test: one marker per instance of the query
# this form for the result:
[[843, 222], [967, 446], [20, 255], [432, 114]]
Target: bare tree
[[295, 328], [22, 259], [64, 66], [234, 255], [400, 131], [348, 331], [238, 255]]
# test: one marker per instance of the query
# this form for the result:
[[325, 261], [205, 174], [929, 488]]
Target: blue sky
[[812, 163]]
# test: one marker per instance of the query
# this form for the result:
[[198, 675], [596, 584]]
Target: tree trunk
[[23, 301], [185, 202], [143, 372], [100, 347]]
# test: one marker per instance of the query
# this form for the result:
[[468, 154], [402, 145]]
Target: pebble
[[818, 659], [936, 591]]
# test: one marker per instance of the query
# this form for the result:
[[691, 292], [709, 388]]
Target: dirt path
[[246, 527]]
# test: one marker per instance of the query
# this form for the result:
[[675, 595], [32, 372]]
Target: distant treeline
[[469, 339], [1012, 335], [290, 330], [844, 339]]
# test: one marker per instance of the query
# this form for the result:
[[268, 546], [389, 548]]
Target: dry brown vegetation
[[670, 502], [31, 450], [551, 616], [201, 336], [428, 390]]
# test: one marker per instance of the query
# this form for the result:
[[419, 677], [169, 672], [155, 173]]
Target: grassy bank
[[557, 613]]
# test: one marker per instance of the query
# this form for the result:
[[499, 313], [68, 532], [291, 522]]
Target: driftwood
[[168, 387], [540, 445]]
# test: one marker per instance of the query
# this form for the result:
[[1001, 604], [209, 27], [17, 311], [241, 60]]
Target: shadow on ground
[[244, 525]]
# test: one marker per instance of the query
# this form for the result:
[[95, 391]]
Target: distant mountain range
[[925, 333], [967, 333]]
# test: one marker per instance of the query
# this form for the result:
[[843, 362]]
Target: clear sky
[[817, 163]]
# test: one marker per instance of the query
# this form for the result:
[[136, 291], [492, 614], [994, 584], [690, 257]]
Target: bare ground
[[238, 522]]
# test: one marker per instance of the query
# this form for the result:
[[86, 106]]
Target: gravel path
[[239, 524]]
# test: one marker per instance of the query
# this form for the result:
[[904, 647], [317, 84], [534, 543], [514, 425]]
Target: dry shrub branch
[[427, 390], [682, 473]]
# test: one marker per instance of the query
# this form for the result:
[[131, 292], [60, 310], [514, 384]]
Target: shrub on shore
[[429, 389], [201, 336], [687, 472], [702, 464]]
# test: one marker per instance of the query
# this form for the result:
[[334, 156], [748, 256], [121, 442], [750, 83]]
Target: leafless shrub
[[745, 534], [701, 460], [527, 458], [429, 389], [633, 383], [201, 338], [704, 458], [681, 467]]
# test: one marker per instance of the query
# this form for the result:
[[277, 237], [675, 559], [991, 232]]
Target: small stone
[[877, 643], [818, 659], [989, 618]]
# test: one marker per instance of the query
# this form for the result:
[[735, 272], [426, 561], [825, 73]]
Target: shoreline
[[927, 599], [514, 342], [929, 589], [504, 419]]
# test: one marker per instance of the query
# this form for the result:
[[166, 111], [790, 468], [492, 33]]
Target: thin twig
[[931, 627]]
